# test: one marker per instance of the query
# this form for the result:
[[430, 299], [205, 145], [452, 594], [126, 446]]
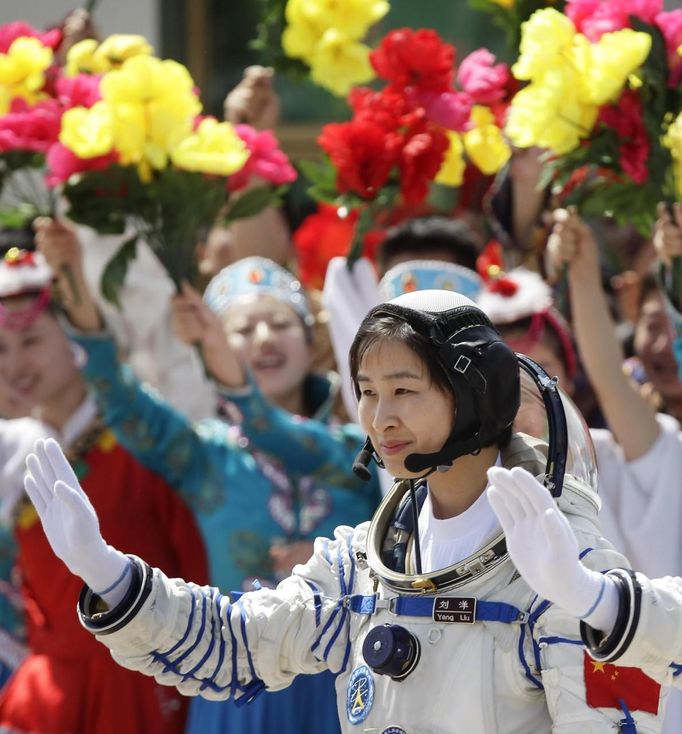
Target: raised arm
[[187, 636], [303, 446], [630, 417], [157, 435], [632, 620]]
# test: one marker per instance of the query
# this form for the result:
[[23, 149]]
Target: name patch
[[454, 609]]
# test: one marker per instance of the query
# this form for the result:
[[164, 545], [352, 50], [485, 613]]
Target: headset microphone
[[363, 460]]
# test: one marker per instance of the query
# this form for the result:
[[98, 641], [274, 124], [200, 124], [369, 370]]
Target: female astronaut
[[420, 612]]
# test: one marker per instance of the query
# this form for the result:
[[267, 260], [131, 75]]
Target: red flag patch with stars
[[606, 685]]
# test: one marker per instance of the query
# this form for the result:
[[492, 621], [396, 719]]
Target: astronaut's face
[[400, 408]]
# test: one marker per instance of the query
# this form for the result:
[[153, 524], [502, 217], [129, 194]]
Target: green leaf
[[116, 269], [252, 202]]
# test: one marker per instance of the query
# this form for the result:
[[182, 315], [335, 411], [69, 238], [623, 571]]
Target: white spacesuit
[[464, 648], [647, 632]]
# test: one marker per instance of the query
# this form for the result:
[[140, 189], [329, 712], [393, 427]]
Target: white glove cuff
[[107, 572], [602, 615]]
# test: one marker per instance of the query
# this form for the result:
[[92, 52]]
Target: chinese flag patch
[[606, 685]]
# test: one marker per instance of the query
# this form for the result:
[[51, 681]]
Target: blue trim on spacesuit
[[628, 724], [211, 644], [677, 669], [208, 683], [558, 641], [181, 641], [317, 599]]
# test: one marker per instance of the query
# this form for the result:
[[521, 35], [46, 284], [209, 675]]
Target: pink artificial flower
[[81, 90], [670, 25], [451, 110], [30, 128], [481, 78], [63, 163], [9, 32], [266, 161], [594, 18]]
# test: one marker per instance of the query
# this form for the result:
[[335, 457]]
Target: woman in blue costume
[[261, 489]]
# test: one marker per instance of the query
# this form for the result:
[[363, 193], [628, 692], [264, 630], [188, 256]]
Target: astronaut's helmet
[[481, 369], [497, 390]]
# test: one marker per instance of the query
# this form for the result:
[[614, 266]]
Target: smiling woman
[[424, 592], [263, 486]]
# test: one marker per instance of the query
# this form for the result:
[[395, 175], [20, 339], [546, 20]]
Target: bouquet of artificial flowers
[[124, 144], [604, 98], [427, 122]]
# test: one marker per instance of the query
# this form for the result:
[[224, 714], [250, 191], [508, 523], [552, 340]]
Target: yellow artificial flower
[[115, 49], [484, 143], [550, 114], [545, 37], [673, 140], [610, 62], [88, 132], [154, 106], [352, 18], [131, 135], [214, 148], [81, 59], [300, 38], [22, 71], [89, 57], [451, 172], [339, 63]]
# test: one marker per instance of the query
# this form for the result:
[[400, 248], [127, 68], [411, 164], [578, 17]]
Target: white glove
[[545, 551], [71, 525]]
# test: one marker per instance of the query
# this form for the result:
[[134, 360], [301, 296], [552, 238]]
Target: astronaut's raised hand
[[70, 523], [545, 551]]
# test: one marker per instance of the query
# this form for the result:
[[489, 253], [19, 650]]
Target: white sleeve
[[195, 639], [348, 295], [142, 326], [648, 631]]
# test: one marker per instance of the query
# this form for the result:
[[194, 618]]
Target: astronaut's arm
[[647, 632], [201, 642], [188, 636]]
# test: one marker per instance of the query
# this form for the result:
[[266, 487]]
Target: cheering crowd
[[215, 430]]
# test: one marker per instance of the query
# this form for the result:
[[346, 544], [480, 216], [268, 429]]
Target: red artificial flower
[[420, 160], [322, 236], [326, 234], [490, 266], [9, 32], [626, 118], [266, 161], [482, 79], [407, 58], [30, 128], [62, 164], [389, 108], [363, 154]]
